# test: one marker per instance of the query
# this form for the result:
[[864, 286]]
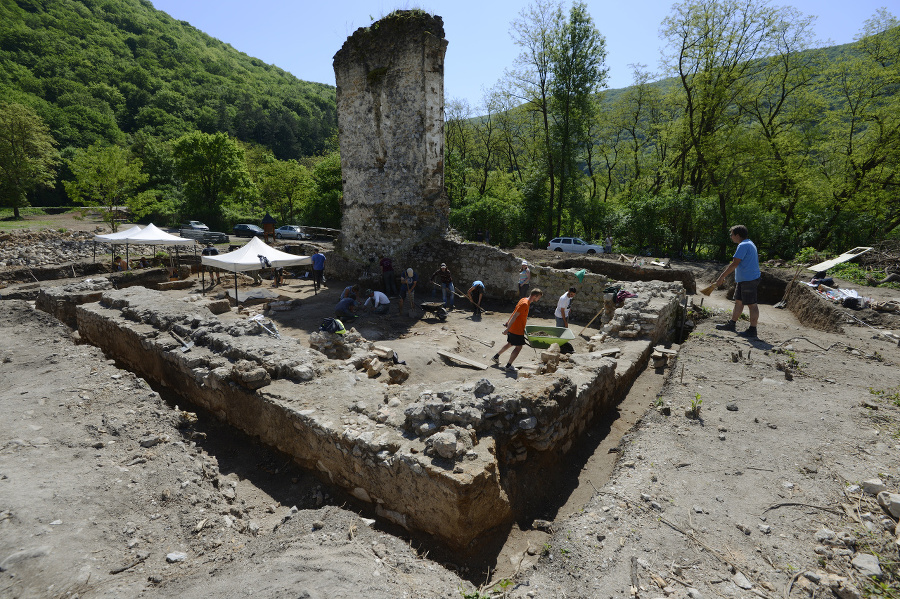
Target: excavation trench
[[453, 459], [470, 499]]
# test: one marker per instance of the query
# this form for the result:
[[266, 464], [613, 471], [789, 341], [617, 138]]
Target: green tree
[[28, 156], [861, 163], [717, 47], [531, 80], [284, 186], [782, 107], [577, 58], [104, 176], [457, 148], [323, 209], [212, 171]]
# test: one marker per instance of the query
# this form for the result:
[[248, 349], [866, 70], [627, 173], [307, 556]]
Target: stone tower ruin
[[390, 102]]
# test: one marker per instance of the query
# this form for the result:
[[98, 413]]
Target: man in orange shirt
[[515, 328]]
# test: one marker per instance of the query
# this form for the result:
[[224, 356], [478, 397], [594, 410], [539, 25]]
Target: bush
[[809, 255]]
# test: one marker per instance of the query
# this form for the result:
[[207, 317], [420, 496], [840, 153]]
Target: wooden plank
[[845, 257], [462, 359]]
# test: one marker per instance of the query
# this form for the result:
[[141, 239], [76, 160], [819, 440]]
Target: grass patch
[[7, 213], [859, 275], [14, 225]]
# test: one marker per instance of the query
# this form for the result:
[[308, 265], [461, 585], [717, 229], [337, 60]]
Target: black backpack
[[332, 325]]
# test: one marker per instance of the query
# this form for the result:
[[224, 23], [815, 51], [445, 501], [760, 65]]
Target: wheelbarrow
[[435, 308], [544, 336]]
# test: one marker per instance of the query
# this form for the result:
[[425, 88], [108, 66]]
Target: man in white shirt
[[562, 308], [377, 302]]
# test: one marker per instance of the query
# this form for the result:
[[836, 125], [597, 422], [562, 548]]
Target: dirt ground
[[106, 492]]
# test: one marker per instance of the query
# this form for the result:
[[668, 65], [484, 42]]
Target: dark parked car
[[204, 236], [244, 230], [213, 237]]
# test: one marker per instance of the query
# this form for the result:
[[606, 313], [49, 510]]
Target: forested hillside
[[748, 122], [131, 107], [95, 70]]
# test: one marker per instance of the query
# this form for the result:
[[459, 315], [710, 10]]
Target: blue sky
[[302, 36]]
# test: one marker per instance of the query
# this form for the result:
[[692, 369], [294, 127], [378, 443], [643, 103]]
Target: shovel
[[185, 347], [591, 321], [787, 290], [258, 318]]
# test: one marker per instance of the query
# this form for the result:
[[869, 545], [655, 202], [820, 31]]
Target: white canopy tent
[[118, 235], [114, 237], [152, 235], [149, 235], [250, 257]]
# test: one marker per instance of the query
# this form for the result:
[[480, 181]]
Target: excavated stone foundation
[[454, 462]]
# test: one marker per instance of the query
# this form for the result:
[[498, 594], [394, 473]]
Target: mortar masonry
[[454, 464]]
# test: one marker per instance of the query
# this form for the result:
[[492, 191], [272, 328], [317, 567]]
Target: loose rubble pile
[[46, 247]]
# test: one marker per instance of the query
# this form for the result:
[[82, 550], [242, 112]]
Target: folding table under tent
[[250, 257], [112, 238]]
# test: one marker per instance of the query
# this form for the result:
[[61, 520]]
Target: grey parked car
[[291, 232]]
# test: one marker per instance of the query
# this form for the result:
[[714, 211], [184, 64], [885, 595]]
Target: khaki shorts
[[745, 292]]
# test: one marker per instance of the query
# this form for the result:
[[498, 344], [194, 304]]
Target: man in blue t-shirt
[[318, 269], [745, 266]]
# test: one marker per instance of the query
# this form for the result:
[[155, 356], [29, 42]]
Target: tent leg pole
[[235, 290]]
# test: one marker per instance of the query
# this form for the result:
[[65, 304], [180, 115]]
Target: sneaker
[[728, 326], [749, 333], [495, 358], [510, 368]]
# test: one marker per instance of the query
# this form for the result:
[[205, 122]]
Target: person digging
[[515, 329], [475, 295], [745, 266]]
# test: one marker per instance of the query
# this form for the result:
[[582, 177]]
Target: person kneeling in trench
[[515, 328], [377, 302]]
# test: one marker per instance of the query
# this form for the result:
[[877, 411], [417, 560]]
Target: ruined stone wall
[[622, 271], [499, 271], [454, 463], [390, 101], [273, 389], [651, 315]]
